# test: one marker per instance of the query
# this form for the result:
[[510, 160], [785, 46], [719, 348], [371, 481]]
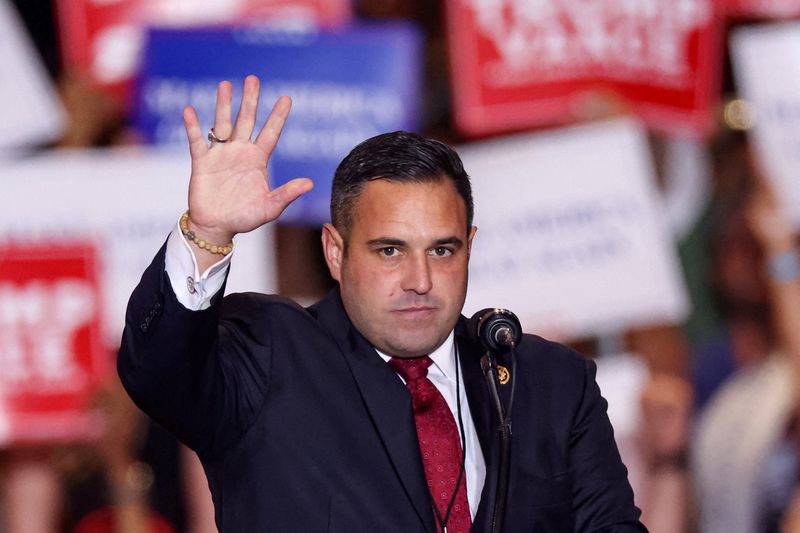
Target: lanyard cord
[[443, 522]]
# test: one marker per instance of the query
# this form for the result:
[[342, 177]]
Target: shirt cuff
[[193, 289]]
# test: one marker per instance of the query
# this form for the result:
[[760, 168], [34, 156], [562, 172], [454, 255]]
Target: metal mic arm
[[498, 331], [489, 366]]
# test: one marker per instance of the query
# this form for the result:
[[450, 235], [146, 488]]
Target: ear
[[472, 232], [333, 248]]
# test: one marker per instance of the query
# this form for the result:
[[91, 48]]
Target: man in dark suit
[[367, 411]]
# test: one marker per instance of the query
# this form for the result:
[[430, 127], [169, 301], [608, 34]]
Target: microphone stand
[[498, 331], [489, 366]]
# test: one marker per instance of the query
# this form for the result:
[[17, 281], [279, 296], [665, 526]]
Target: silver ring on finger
[[212, 137]]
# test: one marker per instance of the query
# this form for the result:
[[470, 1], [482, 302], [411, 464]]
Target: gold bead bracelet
[[190, 235]]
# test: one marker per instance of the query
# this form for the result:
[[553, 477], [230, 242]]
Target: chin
[[418, 350]]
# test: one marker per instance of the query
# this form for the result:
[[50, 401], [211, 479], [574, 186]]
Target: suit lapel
[[387, 401]]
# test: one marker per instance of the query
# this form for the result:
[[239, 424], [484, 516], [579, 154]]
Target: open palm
[[229, 191]]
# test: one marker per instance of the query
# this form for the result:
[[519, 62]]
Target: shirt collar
[[443, 357]]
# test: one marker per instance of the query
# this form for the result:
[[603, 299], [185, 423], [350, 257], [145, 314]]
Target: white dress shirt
[[195, 289]]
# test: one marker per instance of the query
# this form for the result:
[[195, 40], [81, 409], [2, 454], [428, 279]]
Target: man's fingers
[[246, 119], [271, 132], [222, 113], [281, 197], [197, 143]]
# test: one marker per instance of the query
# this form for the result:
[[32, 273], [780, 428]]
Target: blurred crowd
[[705, 413]]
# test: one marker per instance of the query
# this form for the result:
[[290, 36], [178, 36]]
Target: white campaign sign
[[766, 62], [126, 201], [570, 232], [32, 113]]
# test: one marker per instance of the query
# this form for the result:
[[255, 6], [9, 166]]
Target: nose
[[417, 275]]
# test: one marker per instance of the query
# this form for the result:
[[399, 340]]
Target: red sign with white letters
[[102, 39], [762, 8], [51, 351], [518, 64]]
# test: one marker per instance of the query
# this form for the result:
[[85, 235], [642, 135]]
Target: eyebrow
[[455, 241], [389, 241]]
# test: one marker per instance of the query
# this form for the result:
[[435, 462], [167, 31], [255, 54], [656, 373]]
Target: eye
[[441, 251], [389, 251]]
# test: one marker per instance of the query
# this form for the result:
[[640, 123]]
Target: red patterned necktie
[[439, 442]]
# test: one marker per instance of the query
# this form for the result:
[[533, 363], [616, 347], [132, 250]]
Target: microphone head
[[497, 330]]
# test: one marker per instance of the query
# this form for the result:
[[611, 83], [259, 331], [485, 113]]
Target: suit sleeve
[[602, 496], [189, 370]]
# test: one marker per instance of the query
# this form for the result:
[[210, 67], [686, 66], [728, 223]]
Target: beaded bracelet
[[190, 235]]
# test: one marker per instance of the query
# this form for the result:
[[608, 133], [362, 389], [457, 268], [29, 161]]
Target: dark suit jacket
[[301, 426]]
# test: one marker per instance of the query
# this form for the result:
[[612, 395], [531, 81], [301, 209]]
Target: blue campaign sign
[[346, 84]]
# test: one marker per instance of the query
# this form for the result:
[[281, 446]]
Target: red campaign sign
[[518, 64], [102, 39], [51, 351], [762, 8]]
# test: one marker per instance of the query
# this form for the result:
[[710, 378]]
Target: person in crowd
[[745, 457], [664, 433], [651, 408], [30, 491], [135, 479]]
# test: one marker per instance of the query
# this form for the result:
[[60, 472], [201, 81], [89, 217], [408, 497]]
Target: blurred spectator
[[650, 407], [665, 495], [122, 505], [745, 455], [30, 496], [790, 523], [94, 118], [137, 478]]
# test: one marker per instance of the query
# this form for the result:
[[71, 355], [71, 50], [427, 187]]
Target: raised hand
[[228, 191]]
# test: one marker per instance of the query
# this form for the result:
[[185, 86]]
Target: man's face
[[403, 272]]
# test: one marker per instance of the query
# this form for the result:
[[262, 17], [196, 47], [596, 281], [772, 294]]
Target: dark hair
[[398, 156]]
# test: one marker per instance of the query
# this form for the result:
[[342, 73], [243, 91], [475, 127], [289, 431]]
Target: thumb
[[281, 197]]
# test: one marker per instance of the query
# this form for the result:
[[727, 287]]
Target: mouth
[[420, 311]]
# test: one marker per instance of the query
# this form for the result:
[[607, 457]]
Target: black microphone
[[498, 330]]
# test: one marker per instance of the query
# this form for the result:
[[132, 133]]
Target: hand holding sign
[[228, 191]]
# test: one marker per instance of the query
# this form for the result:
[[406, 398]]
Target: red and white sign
[[522, 63], [102, 38], [51, 349], [762, 8], [126, 202]]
